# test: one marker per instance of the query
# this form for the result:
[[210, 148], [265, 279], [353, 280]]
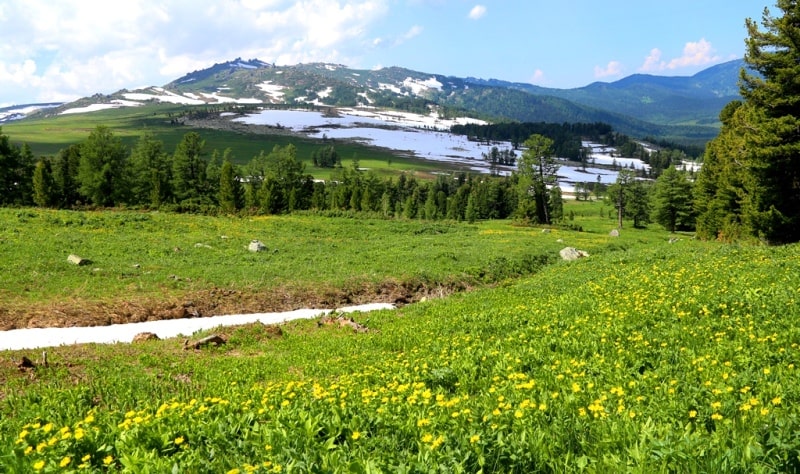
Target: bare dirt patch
[[213, 302]]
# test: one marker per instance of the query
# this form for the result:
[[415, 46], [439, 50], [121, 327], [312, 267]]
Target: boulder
[[256, 246], [76, 260], [571, 253], [145, 336], [614, 233]]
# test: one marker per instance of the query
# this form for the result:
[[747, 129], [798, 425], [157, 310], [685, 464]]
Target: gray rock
[[256, 246], [145, 336], [571, 253], [614, 233], [76, 260]]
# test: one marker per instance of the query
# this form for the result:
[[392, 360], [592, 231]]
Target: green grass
[[645, 357], [141, 257], [49, 135]]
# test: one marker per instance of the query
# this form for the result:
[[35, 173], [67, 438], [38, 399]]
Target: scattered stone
[[26, 363], [571, 253], [136, 265], [560, 241], [214, 339], [614, 233], [341, 322], [145, 336], [223, 237], [256, 246], [673, 240], [201, 246], [76, 260], [545, 231]]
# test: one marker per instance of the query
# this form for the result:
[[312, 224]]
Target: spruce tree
[[44, 194], [750, 181]]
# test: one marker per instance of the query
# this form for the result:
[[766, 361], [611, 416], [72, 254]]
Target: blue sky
[[59, 50]]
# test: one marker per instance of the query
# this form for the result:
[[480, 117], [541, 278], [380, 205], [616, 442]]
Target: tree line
[[102, 172]]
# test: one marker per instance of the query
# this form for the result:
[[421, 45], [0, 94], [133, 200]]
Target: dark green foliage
[[189, 168], [102, 171], [673, 201], [44, 188], [230, 190], [16, 172], [65, 174], [750, 184], [326, 157], [536, 172], [631, 198], [150, 172]]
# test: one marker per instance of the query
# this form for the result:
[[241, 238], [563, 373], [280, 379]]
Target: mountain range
[[680, 109]]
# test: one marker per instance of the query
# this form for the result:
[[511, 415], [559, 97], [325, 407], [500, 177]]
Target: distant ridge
[[680, 109]]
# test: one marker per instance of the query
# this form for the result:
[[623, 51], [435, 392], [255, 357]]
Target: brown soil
[[211, 302]]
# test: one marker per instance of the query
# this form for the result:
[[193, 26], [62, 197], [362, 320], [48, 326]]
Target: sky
[[61, 50]]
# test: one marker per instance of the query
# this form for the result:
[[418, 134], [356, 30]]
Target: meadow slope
[[645, 357]]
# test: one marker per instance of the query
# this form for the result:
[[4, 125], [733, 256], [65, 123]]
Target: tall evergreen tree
[[65, 174], [102, 170], [752, 186], [150, 171], [189, 168], [230, 192], [44, 189], [536, 171], [673, 200]]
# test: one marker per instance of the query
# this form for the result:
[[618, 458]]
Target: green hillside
[[647, 356]]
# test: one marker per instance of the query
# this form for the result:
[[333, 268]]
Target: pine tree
[[536, 172], [750, 181], [102, 170], [229, 189], [189, 168], [44, 189], [673, 200]]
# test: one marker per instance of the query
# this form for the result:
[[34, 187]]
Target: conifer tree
[[750, 181], [44, 190]]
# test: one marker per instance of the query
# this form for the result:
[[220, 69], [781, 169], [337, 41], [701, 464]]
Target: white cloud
[[477, 12], [73, 48], [698, 53], [414, 31], [538, 77], [612, 69]]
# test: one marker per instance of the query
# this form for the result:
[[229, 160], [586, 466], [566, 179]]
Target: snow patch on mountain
[[164, 96], [390, 87], [418, 86], [275, 91], [114, 104]]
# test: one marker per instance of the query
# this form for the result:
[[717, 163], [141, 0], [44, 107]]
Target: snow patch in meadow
[[35, 338], [114, 104]]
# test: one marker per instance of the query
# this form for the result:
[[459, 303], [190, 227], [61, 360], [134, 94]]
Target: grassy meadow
[[146, 262], [48, 136], [647, 356]]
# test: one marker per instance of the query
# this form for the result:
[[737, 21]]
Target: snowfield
[[34, 338]]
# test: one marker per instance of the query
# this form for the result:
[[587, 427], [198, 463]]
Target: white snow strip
[[418, 86], [390, 87], [169, 97], [116, 103], [34, 338]]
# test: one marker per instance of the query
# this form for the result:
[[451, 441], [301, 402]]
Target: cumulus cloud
[[698, 53], [612, 69], [477, 12], [74, 48], [538, 77]]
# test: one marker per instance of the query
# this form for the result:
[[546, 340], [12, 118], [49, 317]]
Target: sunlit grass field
[[647, 356]]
